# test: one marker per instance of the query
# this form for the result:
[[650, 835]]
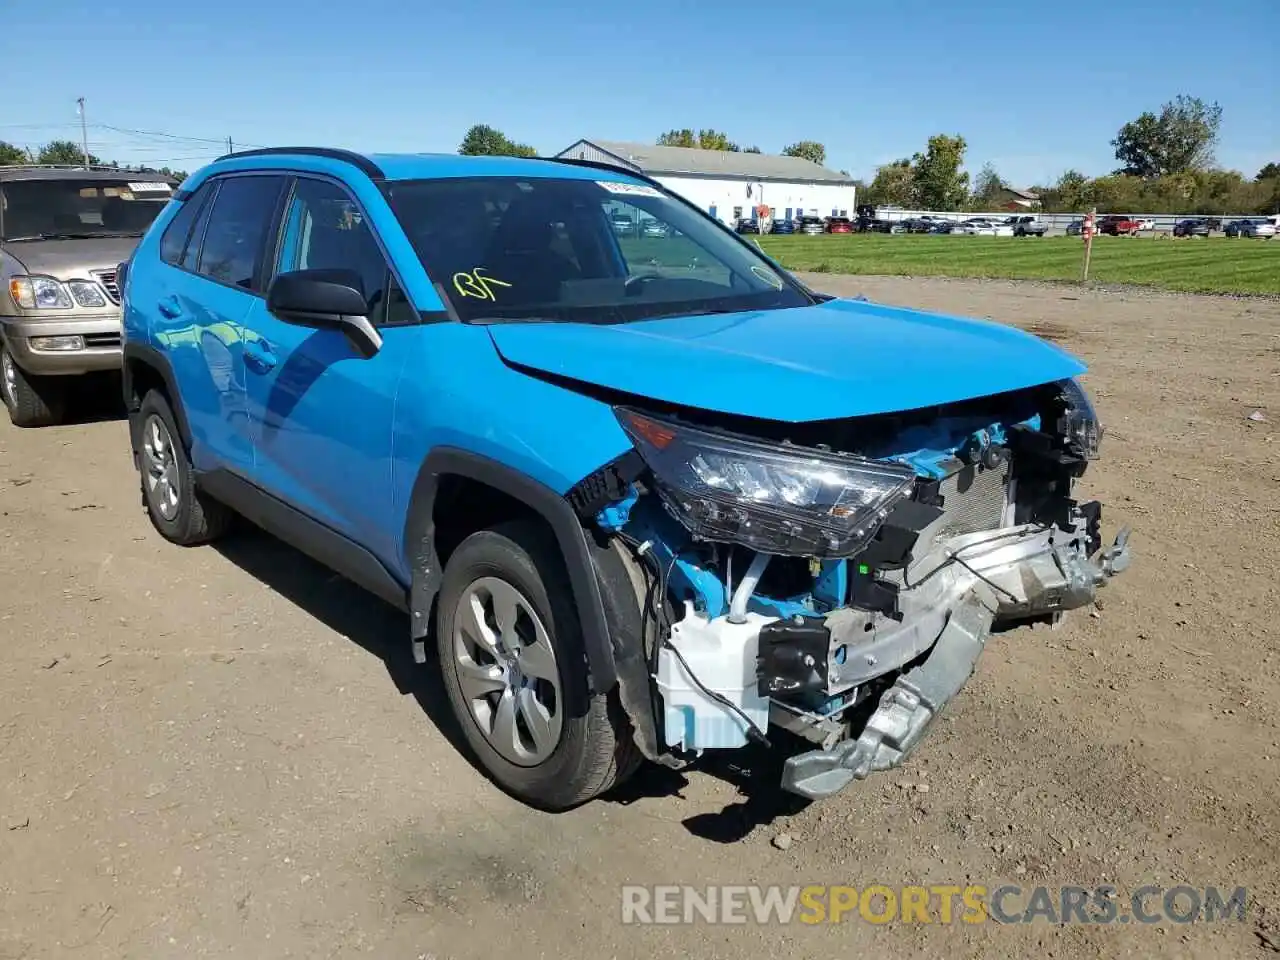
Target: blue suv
[[644, 495]]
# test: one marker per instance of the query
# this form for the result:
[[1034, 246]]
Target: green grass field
[[1217, 265]]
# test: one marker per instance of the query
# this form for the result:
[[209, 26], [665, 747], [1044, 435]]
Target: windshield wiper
[[79, 235], [491, 321]]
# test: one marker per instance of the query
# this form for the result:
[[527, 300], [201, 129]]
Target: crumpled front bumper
[[969, 583]]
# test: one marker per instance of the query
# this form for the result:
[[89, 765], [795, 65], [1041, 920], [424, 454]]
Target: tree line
[[1167, 165], [71, 154]]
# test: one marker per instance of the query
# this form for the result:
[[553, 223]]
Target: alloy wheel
[[160, 468], [507, 671], [8, 378]]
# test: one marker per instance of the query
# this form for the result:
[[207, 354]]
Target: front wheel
[[511, 654], [180, 512], [31, 401]]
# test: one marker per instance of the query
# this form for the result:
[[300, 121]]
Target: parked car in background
[[1146, 224], [784, 226], [62, 233], [636, 513], [1257, 228], [839, 225], [811, 226], [1213, 223], [623, 225], [921, 224], [1191, 228], [747, 225], [1075, 228], [652, 228], [983, 227], [1117, 226], [1027, 226]]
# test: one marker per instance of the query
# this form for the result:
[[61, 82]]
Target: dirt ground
[[224, 752]]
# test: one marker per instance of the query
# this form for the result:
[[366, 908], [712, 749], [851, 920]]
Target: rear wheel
[[510, 650], [31, 401]]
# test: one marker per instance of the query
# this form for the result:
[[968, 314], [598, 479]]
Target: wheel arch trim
[[148, 356], [571, 537]]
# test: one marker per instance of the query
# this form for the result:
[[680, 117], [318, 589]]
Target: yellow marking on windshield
[[476, 284]]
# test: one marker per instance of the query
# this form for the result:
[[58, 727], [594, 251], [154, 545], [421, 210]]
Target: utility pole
[[84, 132], [230, 146]]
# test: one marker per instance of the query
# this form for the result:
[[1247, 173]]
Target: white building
[[731, 185]]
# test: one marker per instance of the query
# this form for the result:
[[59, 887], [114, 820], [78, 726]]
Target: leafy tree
[[893, 184], [9, 154], [483, 140], [988, 188], [939, 184], [1270, 172], [678, 138], [1181, 138], [706, 139], [751, 150], [64, 152], [715, 140], [810, 150]]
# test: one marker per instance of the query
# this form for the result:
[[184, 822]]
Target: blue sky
[[1035, 87]]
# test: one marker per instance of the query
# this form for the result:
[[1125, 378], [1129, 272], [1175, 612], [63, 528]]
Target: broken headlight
[[776, 499], [1079, 424]]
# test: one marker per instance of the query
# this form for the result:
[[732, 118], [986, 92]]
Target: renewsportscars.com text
[[937, 904]]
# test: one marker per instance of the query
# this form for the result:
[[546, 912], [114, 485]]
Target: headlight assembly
[[39, 293], [87, 293], [777, 499], [1079, 424]]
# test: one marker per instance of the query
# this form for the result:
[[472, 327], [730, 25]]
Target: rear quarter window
[[178, 233]]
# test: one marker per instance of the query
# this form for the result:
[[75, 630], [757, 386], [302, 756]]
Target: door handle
[[169, 307], [258, 355]]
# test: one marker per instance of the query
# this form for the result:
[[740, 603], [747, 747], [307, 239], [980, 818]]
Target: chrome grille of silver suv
[[108, 280]]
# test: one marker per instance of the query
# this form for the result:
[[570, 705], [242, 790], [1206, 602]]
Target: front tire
[[179, 511], [31, 401], [510, 650]]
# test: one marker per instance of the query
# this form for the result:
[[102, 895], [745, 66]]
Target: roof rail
[[359, 161], [62, 166]]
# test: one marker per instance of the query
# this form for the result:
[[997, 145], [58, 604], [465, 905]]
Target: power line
[[221, 141]]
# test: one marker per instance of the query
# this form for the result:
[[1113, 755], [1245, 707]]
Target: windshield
[[507, 249], [69, 208]]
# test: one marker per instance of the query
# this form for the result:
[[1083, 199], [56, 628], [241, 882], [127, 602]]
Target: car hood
[[71, 259], [842, 358]]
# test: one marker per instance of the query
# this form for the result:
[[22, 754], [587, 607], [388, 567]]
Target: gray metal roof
[[111, 174], [652, 160]]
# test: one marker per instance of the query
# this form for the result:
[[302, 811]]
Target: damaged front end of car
[[838, 579]]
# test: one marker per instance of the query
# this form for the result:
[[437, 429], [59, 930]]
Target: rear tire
[[514, 572], [31, 401], [179, 510]]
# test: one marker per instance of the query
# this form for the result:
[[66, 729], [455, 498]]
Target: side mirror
[[325, 300]]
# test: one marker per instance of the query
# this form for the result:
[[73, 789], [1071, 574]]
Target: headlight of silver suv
[[1079, 425], [87, 293], [39, 293], [777, 499]]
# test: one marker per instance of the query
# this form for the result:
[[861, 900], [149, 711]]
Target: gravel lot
[[224, 752]]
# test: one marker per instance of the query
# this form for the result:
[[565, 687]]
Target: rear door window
[[235, 238]]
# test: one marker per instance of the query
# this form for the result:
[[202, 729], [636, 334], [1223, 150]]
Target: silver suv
[[63, 232]]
